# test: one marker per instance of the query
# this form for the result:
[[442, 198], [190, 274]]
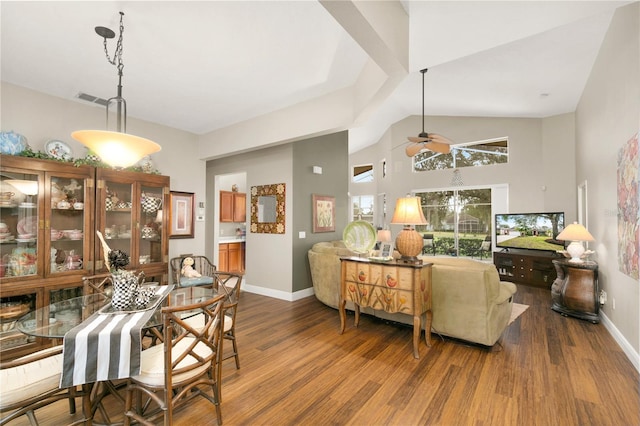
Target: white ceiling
[[202, 66]]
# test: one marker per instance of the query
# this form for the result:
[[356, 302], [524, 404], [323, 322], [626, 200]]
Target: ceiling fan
[[424, 140]]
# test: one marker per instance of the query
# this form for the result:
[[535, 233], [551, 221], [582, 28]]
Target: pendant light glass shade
[[119, 150]]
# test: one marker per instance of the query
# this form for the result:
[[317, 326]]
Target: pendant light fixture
[[116, 148]]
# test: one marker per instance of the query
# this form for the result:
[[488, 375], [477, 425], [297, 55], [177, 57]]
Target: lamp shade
[[384, 235], [575, 232], [119, 150], [408, 212], [408, 242]]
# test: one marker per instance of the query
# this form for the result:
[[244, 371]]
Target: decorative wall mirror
[[267, 208]]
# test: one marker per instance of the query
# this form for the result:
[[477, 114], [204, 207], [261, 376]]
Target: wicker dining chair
[[174, 372], [228, 284], [32, 382], [201, 264]]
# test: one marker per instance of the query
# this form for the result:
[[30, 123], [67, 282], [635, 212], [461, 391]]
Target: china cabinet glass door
[[19, 223], [130, 216], [68, 229]]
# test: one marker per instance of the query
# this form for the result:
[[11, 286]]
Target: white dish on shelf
[[27, 205], [58, 149], [28, 225], [25, 240]]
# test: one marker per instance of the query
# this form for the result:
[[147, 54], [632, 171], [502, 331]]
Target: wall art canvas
[[628, 211], [324, 213]]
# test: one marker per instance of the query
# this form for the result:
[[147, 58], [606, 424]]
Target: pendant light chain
[[117, 55]]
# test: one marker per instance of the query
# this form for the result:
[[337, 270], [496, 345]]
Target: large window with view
[[481, 153], [458, 222], [362, 208]]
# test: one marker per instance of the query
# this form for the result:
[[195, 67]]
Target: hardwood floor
[[297, 370]]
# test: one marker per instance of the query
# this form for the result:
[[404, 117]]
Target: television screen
[[531, 231]]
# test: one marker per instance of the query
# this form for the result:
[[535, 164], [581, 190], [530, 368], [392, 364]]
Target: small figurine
[[187, 268]]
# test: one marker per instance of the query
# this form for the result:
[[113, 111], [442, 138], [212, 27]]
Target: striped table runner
[[105, 346]]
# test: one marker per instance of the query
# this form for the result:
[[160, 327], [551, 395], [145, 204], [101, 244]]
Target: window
[[459, 220], [363, 173], [362, 208], [482, 153]]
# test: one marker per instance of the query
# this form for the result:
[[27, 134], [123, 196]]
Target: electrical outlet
[[603, 297]]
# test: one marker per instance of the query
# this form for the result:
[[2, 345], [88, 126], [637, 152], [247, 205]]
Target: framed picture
[[386, 249], [324, 213], [181, 214]]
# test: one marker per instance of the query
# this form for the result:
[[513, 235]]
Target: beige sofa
[[469, 300]]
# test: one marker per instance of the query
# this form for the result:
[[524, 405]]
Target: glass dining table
[[57, 319]]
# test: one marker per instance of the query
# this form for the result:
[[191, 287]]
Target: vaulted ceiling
[[237, 70]]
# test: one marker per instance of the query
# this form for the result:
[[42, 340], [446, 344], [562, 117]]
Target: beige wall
[[42, 117], [607, 116], [540, 173], [268, 256]]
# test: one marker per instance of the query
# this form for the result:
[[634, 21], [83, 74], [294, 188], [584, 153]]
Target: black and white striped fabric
[[105, 346]]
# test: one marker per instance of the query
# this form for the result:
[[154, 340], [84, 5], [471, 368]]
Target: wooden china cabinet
[[49, 213], [129, 215]]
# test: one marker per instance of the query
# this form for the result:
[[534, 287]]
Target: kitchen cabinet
[[49, 213], [231, 257], [233, 206]]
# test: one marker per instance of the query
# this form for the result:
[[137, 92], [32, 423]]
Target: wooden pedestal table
[[391, 287], [575, 291]]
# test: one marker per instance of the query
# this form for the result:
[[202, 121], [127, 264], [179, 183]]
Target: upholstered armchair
[[324, 262]]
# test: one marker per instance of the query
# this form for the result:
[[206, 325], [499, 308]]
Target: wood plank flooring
[[297, 370]]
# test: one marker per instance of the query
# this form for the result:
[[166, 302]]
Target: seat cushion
[[152, 363], [197, 321], [30, 380], [190, 282]]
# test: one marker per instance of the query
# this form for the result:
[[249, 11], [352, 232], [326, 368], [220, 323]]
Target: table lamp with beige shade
[[409, 243], [575, 233]]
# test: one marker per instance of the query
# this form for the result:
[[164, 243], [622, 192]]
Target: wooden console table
[[575, 291], [391, 287]]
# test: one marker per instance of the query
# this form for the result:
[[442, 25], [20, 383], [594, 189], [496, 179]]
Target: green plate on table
[[359, 236]]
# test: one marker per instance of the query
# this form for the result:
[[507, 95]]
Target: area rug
[[516, 310]]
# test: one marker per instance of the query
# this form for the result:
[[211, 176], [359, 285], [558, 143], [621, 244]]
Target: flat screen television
[[530, 231]]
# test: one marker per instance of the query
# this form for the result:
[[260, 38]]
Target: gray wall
[[331, 153], [277, 265], [607, 116]]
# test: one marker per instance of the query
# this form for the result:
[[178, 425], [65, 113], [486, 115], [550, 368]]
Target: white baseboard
[[633, 356], [278, 294]]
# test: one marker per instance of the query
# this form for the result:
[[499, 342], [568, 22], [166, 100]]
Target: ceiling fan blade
[[442, 148], [413, 149], [417, 139], [434, 137]]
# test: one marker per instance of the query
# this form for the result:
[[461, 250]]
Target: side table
[[575, 291], [389, 286]]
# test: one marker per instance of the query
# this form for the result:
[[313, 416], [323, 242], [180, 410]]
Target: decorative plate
[[58, 149], [28, 225], [359, 236]]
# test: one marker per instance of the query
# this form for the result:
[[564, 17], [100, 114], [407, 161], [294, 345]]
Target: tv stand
[[534, 268]]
